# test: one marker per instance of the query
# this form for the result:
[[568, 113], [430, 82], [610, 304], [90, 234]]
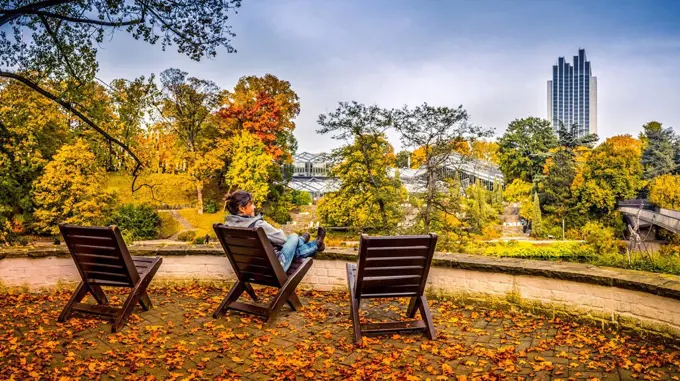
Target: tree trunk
[[430, 195], [199, 196]]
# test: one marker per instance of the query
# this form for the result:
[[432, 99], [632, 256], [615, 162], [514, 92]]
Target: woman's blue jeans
[[295, 247]]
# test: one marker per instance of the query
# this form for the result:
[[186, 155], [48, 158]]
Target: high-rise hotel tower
[[572, 95]]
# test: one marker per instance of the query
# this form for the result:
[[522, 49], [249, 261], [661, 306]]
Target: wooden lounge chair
[[392, 267], [102, 259], [253, 259]]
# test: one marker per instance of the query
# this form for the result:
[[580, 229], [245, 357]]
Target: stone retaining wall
[[622, 297]]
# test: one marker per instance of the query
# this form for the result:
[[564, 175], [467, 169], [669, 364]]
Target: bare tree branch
[[11, 14]]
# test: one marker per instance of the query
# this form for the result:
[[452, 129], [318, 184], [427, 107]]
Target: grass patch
[[551, 251], [169, 225], [170, 190], [202, 222]]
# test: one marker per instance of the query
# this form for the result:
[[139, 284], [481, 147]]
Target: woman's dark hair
[[236, 199]]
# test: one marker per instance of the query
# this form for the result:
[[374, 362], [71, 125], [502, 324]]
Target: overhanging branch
[[34, 86]]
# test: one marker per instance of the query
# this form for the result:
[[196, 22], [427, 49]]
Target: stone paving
[[179, 339]]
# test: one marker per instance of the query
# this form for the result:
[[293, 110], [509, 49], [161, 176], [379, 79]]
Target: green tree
[[524, 148], [536, 218], [478, 209], [403, 158], [559, 174], [187, 105], [611, 172], [250, 167], [70, 191], [361, 169], [517, 191], [658, 157], [438, 131], [368, 196], [65, 35]]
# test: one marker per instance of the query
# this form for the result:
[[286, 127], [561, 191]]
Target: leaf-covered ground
[[179, 339]]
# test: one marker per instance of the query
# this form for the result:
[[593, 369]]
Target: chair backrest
[[100, 255], [394, 266], [251, 255]]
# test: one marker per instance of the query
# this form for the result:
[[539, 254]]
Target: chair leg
[[287, 290], [234, 293], [77, 296], [145, 302], [135, 297], [294, 302], [412, 307], [250, 291], [98, 294], [353, 303], [427, 317]]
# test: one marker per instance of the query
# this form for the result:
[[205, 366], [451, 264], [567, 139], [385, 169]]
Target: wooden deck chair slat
[[395, 261], [393, 270], [254, 260], [102, 259], [402, 251], [245, 259], [392, 267], [398, 241]]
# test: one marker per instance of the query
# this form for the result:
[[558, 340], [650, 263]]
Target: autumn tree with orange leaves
[[263, 106]]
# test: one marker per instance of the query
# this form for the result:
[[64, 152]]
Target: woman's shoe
[[320, 235]]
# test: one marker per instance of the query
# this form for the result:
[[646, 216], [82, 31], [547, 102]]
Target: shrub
[[139, 221], [279, 209], [210, 206], [198, 241], [186, 236], [301, 198], [491, 232], [600, 237]]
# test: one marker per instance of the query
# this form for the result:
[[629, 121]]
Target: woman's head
[[240, 202]]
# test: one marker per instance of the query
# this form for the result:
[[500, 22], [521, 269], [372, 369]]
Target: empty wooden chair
[[392, 267], [254, 261], [102, 259]]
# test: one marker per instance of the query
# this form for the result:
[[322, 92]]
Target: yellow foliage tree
[[250, 167], [517, 191], [70, 191], [664, 191]]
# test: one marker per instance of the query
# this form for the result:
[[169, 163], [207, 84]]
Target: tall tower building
[[572, 95]]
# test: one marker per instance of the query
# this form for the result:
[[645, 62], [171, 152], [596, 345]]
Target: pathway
[[178, 339]]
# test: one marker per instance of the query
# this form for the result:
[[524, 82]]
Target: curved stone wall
[[613, 296]]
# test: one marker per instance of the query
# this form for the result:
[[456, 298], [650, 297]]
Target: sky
[[492, 57]]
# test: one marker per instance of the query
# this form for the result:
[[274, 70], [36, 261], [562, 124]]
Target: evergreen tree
[[659, 157], [536, 218], [524, 148]]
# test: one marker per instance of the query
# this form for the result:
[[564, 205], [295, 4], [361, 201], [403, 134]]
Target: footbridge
[[650, 214]]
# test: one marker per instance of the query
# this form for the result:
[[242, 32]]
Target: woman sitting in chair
[[242, 214]]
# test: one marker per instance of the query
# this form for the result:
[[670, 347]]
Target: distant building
[[572, 95], [311, 173]]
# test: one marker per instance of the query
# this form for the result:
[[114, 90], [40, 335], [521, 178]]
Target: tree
[[187, 106], [368, 196], [249, 168], [658, 157], [403, 159], [478, 211], [559, 173], [31, 131], [264, 106], [65, 34], [524, 148], [485, 150], [365, 171], [70, 191], [570, 140], [664, 191], [439, 132], [536, 218], [611, 172], [517, 191]]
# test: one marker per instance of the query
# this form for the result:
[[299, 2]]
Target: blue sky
[[493, 57]]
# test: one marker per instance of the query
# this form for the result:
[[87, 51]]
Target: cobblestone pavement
[[179, 339]]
